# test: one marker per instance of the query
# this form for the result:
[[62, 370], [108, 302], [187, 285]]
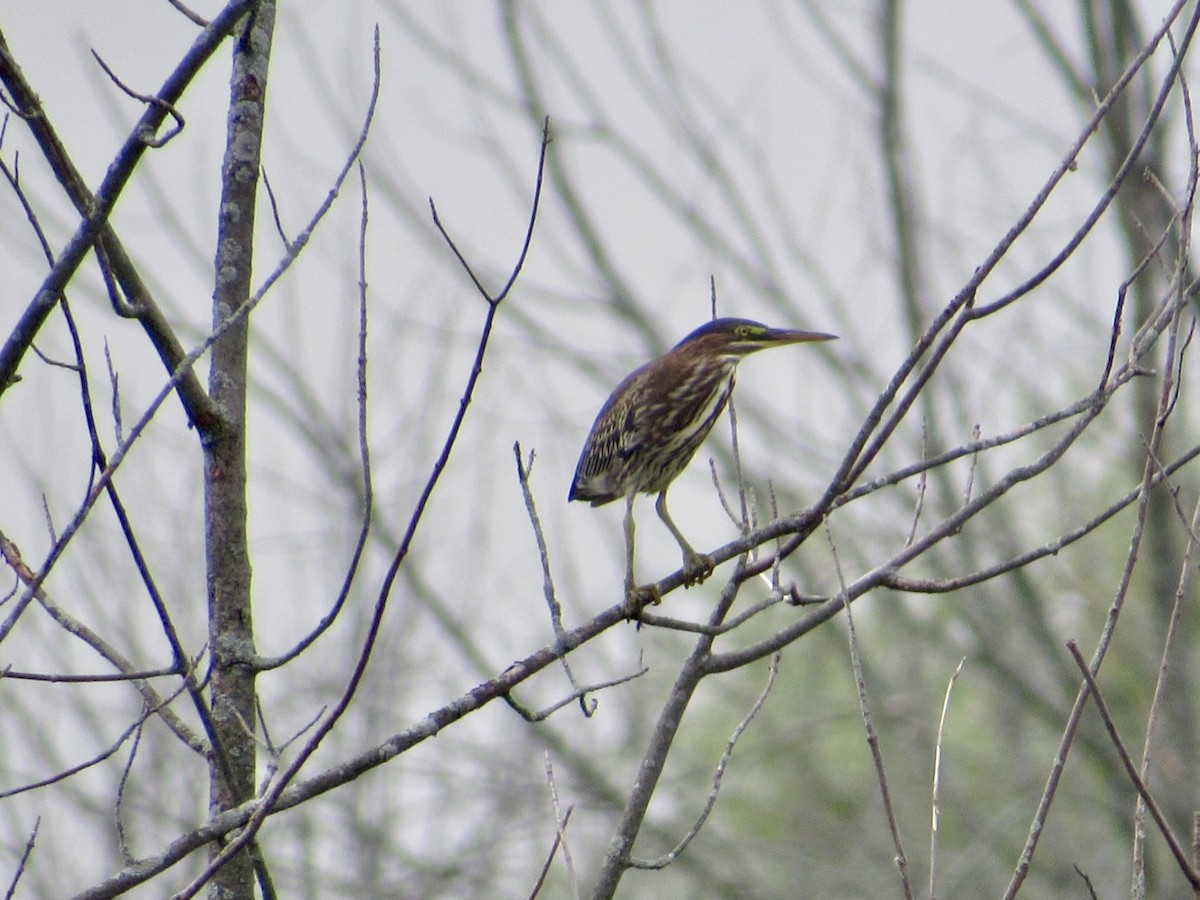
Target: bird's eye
[[743, 331]]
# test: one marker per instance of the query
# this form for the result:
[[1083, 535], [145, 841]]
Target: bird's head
[[736, 338]]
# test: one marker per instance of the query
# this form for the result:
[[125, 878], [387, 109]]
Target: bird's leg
[[696, 566], [635, 597]]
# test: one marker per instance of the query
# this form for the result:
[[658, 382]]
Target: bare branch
[[1131, 158], [275, 207], [100, 678], [100, 757], [147, 138], [1160, 685], [1177, 849], [96, 208], [129, 672], [364, 451], [1087, 882], [495, 300], [1149, 477], [718, 774], [559, 840], [276, 800], [523, 472], [579, 693], [935, 804], [864, 706], [560, 836], [195, 17], [185, 366], [922, 485], [900, 582], [118, 809], [25, 854]]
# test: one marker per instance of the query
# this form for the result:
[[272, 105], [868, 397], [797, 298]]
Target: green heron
[[650, 427]]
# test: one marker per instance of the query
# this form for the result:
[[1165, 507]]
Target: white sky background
[[989, 124]]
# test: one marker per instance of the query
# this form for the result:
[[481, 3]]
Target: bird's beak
[[778, 336]]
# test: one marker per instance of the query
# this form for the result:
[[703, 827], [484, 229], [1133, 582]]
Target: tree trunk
[[231, 632]]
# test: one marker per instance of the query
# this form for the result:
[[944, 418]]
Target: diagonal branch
[[96, 209], [185, 366], [1177, 849], [298, 792]]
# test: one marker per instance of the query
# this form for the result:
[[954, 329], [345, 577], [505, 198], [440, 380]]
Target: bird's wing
[[615, 437], [630, 432], [618, 433]]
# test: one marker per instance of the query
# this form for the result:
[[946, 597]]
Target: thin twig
[[744, 522], [1119, 308], [864, 705], [99, 678], [26, 576], [95, 760], [114, 383], [364, 452], [24, 861], [147, 138], [579, 693], [773, 599], [1177, 849], [118, 807], [725, 505], [935, 807], [666, 859], [194, 16], [922, 486], [1087, 882], [523, 472], [560, 829], [496, 299], [898, 582], [969, 487], [13, 177], [275, 209]]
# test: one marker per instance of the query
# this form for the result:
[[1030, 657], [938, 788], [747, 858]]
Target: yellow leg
[[696, 566], [635, 597]]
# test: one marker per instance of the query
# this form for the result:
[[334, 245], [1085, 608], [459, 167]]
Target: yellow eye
[[744, 331]]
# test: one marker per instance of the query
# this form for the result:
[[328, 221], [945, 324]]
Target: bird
[[654, 421]]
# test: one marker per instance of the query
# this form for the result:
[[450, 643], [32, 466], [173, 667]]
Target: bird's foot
[[696, 567], [639, 597]]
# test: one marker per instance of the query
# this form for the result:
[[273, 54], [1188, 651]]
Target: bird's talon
[[637, 598], [696, 567]]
